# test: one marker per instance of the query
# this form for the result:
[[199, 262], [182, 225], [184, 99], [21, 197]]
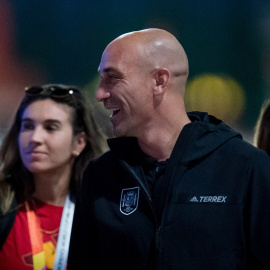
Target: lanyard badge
[[36, 237]]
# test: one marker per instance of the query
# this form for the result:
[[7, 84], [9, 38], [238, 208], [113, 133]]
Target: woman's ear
[[79, 143], [162, 76]]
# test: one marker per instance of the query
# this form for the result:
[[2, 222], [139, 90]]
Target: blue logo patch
[[129, 200]]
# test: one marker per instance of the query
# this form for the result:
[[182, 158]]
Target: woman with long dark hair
[[42, 158]]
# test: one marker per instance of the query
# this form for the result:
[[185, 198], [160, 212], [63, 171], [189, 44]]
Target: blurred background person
[[42, 158], [262, 128]]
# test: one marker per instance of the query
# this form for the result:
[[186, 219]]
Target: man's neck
[[159, 143], [159, 147]]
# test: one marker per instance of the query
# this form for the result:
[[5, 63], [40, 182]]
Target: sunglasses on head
[[54, 91]]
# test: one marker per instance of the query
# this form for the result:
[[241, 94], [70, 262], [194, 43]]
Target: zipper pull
[[157, 239]]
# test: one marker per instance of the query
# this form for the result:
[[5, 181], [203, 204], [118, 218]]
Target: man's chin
[[117, 131]]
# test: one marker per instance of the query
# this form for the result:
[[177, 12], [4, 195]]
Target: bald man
[[177, 190]]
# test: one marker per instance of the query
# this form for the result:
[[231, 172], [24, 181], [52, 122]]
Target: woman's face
[[46, 140]]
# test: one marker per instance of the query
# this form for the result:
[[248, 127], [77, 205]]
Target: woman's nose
[[37, 135]]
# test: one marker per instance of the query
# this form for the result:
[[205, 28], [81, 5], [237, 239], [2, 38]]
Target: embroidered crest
[[129, 200]]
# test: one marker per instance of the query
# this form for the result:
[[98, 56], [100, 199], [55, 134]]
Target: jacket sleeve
[[257, 212], [83, 248]]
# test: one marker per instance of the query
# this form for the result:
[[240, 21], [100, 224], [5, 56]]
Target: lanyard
[[62, 246], [36, 237]]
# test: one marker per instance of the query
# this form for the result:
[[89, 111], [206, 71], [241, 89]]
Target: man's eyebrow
[[108, 70]]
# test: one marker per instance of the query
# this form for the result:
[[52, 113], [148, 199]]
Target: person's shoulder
[[105, 157], [238, 146], [102, 161]]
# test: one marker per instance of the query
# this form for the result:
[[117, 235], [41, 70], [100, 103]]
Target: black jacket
[[6, 222], [216, 213]]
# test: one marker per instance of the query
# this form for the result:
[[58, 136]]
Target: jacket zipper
[[157, 224]]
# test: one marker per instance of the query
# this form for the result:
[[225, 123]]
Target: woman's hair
[[262, 128], [15, 179]]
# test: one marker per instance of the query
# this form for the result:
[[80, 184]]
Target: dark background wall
[[64, 40]]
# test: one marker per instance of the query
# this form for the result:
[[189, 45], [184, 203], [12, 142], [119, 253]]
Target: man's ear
[[79, 143], [162, 76]]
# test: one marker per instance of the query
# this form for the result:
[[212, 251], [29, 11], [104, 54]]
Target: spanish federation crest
[[129, 200]]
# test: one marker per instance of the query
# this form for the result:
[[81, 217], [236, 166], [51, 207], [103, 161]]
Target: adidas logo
[[194, 199], [209, 199]]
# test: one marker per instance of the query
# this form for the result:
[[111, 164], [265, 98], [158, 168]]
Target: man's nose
[[102, 94]]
